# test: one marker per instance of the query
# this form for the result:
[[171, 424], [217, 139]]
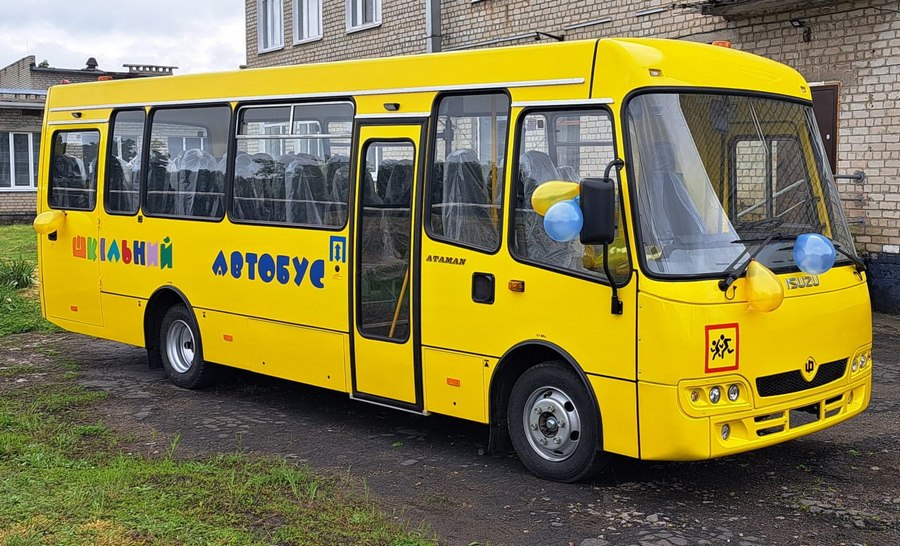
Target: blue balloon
[[563, 221], [813, 253]]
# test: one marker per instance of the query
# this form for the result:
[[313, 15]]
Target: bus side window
[[184, 177], [466, 183], [293, 173], [123, 165], [567, 146], [73, 170]]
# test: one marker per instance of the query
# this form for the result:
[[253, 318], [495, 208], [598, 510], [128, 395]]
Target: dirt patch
[[839, 486]]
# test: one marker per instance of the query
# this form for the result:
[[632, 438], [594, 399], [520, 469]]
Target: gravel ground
[[839, 486]]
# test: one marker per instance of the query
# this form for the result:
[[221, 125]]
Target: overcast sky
[[194, 35]]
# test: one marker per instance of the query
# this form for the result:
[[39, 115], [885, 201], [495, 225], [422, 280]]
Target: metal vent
[[788, 382]]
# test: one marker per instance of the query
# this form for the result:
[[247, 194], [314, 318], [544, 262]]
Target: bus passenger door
[[70, 255], [385, 362]]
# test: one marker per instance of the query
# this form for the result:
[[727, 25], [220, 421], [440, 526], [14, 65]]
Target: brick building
[[849, 50], [23, 89]]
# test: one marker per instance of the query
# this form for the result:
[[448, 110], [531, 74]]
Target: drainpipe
[[432, 26]]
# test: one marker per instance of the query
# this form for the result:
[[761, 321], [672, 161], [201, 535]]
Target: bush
[[17, 273]]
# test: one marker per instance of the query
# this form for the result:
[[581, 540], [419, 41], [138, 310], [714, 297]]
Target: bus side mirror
[[49, 221], [598, 207]]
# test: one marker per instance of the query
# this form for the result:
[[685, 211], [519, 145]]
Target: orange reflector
[[722, 43], [73, 308], [453, 382], [516, 286], [104, 78], [228, 337]]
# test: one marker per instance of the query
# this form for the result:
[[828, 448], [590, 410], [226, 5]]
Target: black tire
[[181, 350], [568, 421]]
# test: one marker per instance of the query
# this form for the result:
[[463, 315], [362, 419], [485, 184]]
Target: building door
[[386, 364], [825, 105]]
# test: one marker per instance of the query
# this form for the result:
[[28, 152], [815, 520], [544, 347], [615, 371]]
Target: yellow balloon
[[552, 192], [764, 291]]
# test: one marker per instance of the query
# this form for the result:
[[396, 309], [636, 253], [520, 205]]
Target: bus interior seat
[[118, 194], [70, 188], [437, 196], [535, 168], [337, 178], [466, 204], [160, 198], [305, 191]]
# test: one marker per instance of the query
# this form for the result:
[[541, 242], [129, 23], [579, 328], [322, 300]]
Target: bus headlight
[[734, 392], [715, 394]]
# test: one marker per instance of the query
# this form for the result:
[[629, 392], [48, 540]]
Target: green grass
[[66, 479], [18, 241], [20, 309]]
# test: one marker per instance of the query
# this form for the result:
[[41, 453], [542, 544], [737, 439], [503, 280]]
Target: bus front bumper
[[669, 434]]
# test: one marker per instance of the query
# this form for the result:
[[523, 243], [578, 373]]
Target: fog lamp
[[726, 431], [695, 395], [715, 394], [734, 391]]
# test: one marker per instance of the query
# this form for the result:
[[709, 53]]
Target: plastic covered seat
[[305, 191], [535, 168], [466, 205]]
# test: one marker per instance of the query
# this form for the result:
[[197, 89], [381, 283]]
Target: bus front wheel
[[182, 351], [553, 424]]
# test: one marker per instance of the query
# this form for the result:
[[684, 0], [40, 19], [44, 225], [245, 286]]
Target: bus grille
[[788, 382]]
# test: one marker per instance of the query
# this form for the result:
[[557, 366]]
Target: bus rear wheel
[[182, 351], [553, 424]]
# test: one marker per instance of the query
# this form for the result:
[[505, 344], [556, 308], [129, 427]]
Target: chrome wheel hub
[[180, 346], [552, 423]]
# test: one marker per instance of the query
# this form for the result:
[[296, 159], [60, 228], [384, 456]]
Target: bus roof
[[541, 72]]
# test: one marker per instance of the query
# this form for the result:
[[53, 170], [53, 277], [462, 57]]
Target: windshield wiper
[[734, 273], [860, 265]]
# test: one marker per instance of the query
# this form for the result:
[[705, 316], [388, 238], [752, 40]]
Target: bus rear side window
[[73, 170], [186, 167], [123, 166]]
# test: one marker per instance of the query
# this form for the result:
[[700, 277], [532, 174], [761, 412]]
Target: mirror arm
[[616, 307], [616, 304]]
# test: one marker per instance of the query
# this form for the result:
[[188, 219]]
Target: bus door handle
[[483, 288]]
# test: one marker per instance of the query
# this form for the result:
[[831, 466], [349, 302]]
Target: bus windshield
[[718, 174]]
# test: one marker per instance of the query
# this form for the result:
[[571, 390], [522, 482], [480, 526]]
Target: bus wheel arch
[[160, 302], [172, 336], [536, 358]]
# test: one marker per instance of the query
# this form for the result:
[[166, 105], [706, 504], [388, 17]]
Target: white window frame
[[273, 26], [32, 166], [300, 24], [376, 22]]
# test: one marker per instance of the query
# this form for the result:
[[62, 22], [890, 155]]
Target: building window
[[19, 160], [307, 20], [362, 14], [270, 25]]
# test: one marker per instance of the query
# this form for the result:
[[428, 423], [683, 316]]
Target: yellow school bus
[[624, 246]]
